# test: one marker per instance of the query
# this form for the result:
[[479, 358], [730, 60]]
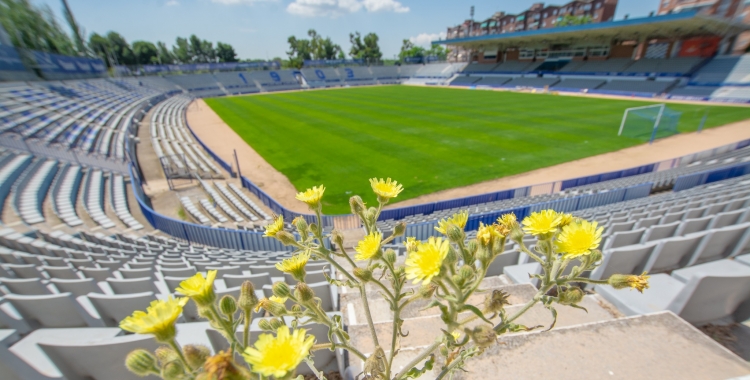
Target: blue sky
[[260, 28]]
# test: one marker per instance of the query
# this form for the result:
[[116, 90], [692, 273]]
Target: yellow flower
[[621, 281], [276, 356], [486, 234], [542, 222], [385, 189], [456, 334], [312, 196], [222, 366], [158, 319], [577, 239], [425, 263], [507, 220], [566, 219], [199, 289], [411, 244], [273, 228], [275, 305], [368, 247], [459, 220], [295, 266]]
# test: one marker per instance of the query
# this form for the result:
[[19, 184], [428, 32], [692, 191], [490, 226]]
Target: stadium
[[122, 183]]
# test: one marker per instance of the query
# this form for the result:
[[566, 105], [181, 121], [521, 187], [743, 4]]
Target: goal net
[[649, 122]]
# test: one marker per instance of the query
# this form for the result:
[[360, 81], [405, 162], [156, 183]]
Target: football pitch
[[428, 138]]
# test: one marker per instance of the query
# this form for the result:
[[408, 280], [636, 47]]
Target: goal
[[649, 122]]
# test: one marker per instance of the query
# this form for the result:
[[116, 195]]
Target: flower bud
[[363, 274], [165, 355], [622, 281], [275, 308], [357, 206], [173, 370], [389, 256], [457, 279], [571, 296], [265, 325], [248, 300], [196, 354], [466, 272], [281, 290], [484, 257], [517, 234], [399, 271], [337, 237], [304, 293], [483, 336], [455, 233], [227, 305], [301, 225], [444, 350], [472, 246], [595, 256], [451, 257], [411, 244], [372, 214], [285, 238], [399, 229], [426, 291], [276, 323], [496, 301], [296, 309], [141, 363], [314, 228]]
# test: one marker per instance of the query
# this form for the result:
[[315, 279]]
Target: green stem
[[173, 343], [589, 281], [423, 355], [246, 329], [227, 328], [387, 292], [449, 368], [474, 287], [366, 306], [528, 252]]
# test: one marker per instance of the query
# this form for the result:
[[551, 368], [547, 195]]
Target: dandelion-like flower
[[387, 189], [158, 319], [542, 222], [425, 263], [274, 304], [276, 356], [507, 220], [199, 289], [273, 228], [368, 247], [566, 219], [578, 239], [622, 281], [459, 220], [411, 243], [486, 233], [295, 265], [312, 196]]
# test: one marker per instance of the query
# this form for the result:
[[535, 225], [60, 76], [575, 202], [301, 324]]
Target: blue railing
[[424, 230], [696, 179]]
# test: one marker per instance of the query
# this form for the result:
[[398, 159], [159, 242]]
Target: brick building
[[538, 16]]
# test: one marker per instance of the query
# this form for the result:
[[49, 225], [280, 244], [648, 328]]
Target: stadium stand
[[638, 86], [236, 83], [671, 66], [492, 81], [531, 82], [611, 65], [465, 81], [322, 77], [479, 68], [578, 84], [724, 69]]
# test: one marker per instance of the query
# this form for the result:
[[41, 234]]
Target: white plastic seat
[[691, 226], [519, 274], [660, 231], [114, 308], [624, 260], [673, 253], [744, 259], [24, 270], [51, 311], [61, 272], [621, 239], [181, 272], [173, 282], [721, 243], [137, 273], [258, 280], [98, 274], [132, 285], [713, 268], [25, 286], [501, 261], [77, 287]]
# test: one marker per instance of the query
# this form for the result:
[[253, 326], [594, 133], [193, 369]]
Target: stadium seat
[[673, 253], [624, 260], [114, 308], [132, 285], [51, 311]]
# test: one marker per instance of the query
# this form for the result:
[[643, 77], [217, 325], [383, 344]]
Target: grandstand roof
[[676, 25]]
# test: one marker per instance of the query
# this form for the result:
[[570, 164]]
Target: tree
[[323, 48], [299, 51], [145, 53], [365, 48], [165, 57], [74, 28], [569, 20], [120, 49], [225, 52], [181, 51], [99, 45], [34, 28], [409, 50]]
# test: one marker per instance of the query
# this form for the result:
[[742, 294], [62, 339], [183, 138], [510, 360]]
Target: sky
[[258, 29]]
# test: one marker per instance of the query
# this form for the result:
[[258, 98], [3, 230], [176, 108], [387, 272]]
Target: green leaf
[[417, 372], [476, 312]]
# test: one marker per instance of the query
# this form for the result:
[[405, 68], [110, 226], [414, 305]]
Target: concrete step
[[424, 329], [351, 302]]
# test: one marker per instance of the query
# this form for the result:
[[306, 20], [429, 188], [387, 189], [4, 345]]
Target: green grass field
[[429, 139]]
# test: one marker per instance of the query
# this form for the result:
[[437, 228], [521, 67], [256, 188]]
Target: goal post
[[649, 122]]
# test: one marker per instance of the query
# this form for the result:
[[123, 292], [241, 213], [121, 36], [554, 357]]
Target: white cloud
[[237, 2], [171, 3], [384, 6], [424, 39], [336, 8]]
